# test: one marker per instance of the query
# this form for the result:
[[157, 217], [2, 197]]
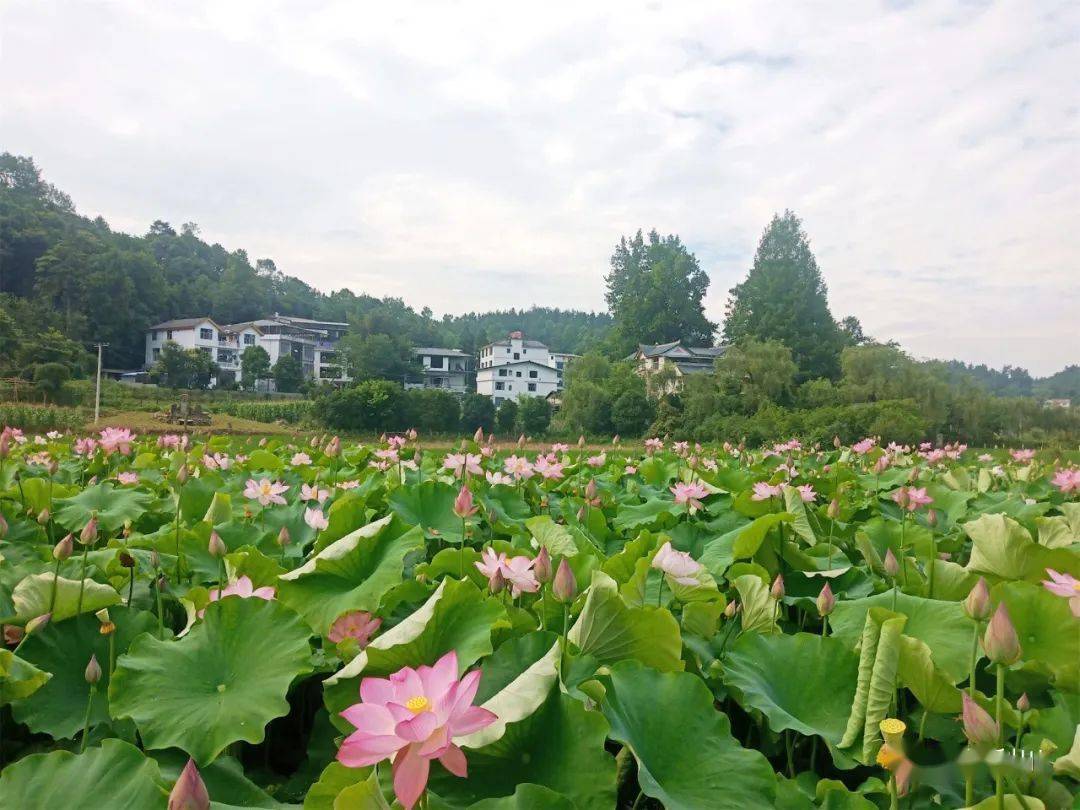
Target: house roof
[[310, 321], [443, 352], [240, 327], [528, 344], [183, 323], [552, 369], [676, 351]]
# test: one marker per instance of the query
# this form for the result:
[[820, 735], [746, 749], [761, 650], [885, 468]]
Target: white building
[[313, 343], [516, 367], [680, 360], [442, 368]]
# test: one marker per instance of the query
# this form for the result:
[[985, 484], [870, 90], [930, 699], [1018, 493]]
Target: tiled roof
[[181, 323], [443, 352]]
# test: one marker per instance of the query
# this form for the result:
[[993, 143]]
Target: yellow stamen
[[417, 704]]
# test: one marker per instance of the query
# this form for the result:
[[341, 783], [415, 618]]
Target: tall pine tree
[[784, 298]]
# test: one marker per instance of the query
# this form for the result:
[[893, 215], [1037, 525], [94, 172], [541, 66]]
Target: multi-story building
[[678, 359], [448, 369], [516, 367], [313, 343]]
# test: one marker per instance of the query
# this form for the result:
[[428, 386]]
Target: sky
[[471, 156]]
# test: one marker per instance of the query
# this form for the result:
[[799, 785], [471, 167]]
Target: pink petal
[[471, 719], [466, 690], [376, 690], [359, 750], [436, 744], [370, 718], [407, 684], [410, 776], [453, 759], [398, 712], [418, 728], [438, 679]]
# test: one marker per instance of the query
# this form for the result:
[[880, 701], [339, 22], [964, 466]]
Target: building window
[[435, 361], [559, 364], [249, 340], [517, 356], [223, 356], [508, 350], [517, 373], [436, 382], [500, 386], [524, 351], [157, 335], [533, 374], [502, 372], [532, 386], [168, 335], [509, 386], [206, 334], [157, 353]]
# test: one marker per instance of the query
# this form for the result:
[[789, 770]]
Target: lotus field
[[219, 622]]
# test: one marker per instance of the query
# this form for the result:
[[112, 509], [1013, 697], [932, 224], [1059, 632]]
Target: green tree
[[377, 356], [534, 415], [288, 374], [784, 298], [631, 413], [254, 366], [758, 371], [49, 378], [371, 406], [655, 292], [433, 410], [506, 417], [477, 411]]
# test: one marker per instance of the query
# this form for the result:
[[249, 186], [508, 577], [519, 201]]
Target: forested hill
[[62, 271]]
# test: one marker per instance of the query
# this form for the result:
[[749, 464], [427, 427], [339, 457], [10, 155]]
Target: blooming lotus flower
[[315, 519], [127, 478], [389, 455], [308, 493], [597, 461], [917, 497], [678, 565], [864, 447], [653, 445], [806, 493], [1065, 586], [547, 468], [348, 484], [519, 467], [518, 573], [1067, 480], [245, 589], [490, 562], [763, 490], [116, 440], [356, 624], [414, 716], [689, 495], [560, 447], [300, 459], [265, 491], [85, 447], [496, 478], [985, 457], [396, 442], [1022, 455], [463, 464], [629, 469]]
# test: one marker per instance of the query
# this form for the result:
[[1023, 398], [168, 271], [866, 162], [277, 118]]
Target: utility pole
[[97, 389]]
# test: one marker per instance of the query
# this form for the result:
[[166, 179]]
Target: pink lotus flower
[[1067, 480], [560, 447], [806, 493], [519, 467], [985, 457], [265, 491], [245, 589], [496, 478], [518, 572], [1022, 455], [629, 469], [127, 478], [414, 716], [653, 445], [309, 493], [678, 565], [917, 497], [490, 562], [390, 455], [463, 503], [689, 495], [300, 460], [396, 442], [547, 468], [1065, 586], [597, 461], [315, 519], [348, 484], [864, 447], [169, 440], [116, 440], [85, 447], [680, 448], [357, 624], [463, 464], [763, 490]]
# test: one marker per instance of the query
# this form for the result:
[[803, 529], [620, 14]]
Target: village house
[[676, 360], [516, 367], [448, 369]]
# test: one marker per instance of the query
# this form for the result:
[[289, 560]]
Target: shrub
[[432, 410], [371, 405], [534, 416], [631, 413], [477, 411], [506, 417]]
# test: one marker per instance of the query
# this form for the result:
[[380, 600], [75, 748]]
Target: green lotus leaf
[[610, 631], [365, 795], [1010, 803], [621, 566], [39, 493], [19, 678], [352, 573], [639, 516], [261, 459], [1056, 532], [559, 746], [64, 650], [750, 537], [550, 535], [33, 596], [758, 612], [793, 504], [222, 682], [941, 625], [113, 506], [115, 775], [346, 514], [879, 661], [816, 702], [431, 507], [1003, 549], [335, 779], [1049, 634], [685, 753], [1058, 722], [225, 781]]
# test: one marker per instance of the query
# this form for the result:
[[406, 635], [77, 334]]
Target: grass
[[143, 422]]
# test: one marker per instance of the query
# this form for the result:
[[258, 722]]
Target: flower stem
[[160, 615], [932, 564], [82, 580], [86, 721], [894, 801], [974, 660], [56, 576], [999, 780]]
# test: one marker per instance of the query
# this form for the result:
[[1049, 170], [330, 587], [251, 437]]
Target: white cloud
[[480, 155]]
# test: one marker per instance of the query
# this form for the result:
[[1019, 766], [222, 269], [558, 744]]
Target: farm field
[[288, 620]]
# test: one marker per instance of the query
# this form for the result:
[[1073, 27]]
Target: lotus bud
[[92, 481], [3, 527], [5, 445], [217, 547], [182, 475], [542, 566], [127, 529], [1000, 641], [53, 467], [162, 583], [155, 559], [826, 601], [892, 565], [333, 447], [1023, 704], [777, 589], [189, 792], [931, 518], [979, 727], [836, 442], [564, 587], [463, 503], [313, 442], [892, 730], [283, 537], [88, 536], [580, 442], [834, 509], [581, 514], [615, 440], [64, 549], [977, 603], [43, 517], [411, 434], [93, 671], [478, 437], [590, 489], [497, 582], [38, 623], [731, 609], [262, 442]]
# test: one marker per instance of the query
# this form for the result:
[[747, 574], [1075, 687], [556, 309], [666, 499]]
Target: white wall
[[513, 380]]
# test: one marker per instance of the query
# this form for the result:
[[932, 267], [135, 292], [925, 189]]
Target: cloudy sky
[[469, 156]]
